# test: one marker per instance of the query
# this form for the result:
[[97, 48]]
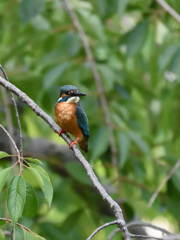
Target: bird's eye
[[70, 92]]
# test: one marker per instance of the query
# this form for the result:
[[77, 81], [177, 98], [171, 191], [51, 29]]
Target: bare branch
[[141, 224], [100, 228], [14, 144], [144, 236], [17, 115], [172, 237], [16, 149], [145, 224], [8, 120], [11, 235], [97, 78], [169, 9], [176, 166], [39, 112]]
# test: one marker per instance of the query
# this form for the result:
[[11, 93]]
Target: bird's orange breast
[[66, 118]]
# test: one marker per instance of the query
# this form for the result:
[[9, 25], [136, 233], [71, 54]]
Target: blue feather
[[82, 121]]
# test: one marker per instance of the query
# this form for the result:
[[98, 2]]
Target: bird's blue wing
[[82, 121]]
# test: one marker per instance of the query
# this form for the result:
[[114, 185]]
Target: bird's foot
[[59, 133], [75, 142]]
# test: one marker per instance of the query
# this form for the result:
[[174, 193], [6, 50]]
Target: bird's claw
[[61, 131], [75, 142]]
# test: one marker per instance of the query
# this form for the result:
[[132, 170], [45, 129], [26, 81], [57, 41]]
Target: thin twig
[[142, 224], [20, 225], [176, 166], [172, 237], [39, 112], [114, 232], [169, 9], [14, 144], [15, 147], [17, 115], [145, 224], [11, 235], [144, 236], [100, 228], [8, 119], [97, 79]]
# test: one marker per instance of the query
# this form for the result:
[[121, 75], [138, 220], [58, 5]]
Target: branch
[[39, 112], [14, 144], [97, 78], [141, 224], [8, 117], [100, 228], [176, 166], [16, 149], [172, 237], [20, 225], [169, 9], [144, 236], [145, 224], [17, 115]]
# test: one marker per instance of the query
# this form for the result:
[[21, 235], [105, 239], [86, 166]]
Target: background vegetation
[[136, 49]]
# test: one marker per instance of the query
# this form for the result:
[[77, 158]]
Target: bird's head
[[70, 94]]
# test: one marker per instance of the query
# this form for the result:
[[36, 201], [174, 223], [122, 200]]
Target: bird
[[71, 117]]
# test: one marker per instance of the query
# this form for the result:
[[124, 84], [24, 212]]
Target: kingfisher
[[71, 117]]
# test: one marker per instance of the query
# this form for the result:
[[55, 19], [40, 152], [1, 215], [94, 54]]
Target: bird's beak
[[79, 94]]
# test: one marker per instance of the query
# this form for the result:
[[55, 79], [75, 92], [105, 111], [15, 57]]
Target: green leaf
[[100, 142], [18, 233], [136, 38], [16, 197], [33, 160], [40, 238], [174, 67], [28, 9], [35, 166], [143, 146], [28, 236], [54, 74], [173, 206], [40, 23], [46, 188], [124, 143], [166, 56], [89, 21], [78, 172], [2, 222], [1, 235], [30, 208], [3, 154], [122, 6], [33, 177], [71, 220], [38, 177], [108, 76], [3, 176], [176, 179]]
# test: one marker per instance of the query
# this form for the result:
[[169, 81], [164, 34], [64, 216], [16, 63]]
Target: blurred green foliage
[[137, 53]]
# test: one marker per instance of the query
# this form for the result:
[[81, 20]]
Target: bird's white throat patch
[[73, 100]]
